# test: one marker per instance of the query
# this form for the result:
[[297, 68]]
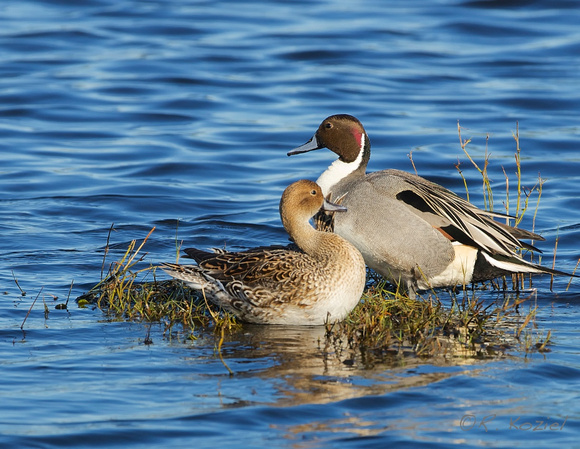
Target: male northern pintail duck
[[412, 231], [318, 279]]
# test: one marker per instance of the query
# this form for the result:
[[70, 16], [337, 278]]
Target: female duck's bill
[[317, 279]]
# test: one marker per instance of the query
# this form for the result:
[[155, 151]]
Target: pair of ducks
[[411, 231]]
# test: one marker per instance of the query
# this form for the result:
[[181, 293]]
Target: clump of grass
[[385, 322], [131, 293], [389, 323]]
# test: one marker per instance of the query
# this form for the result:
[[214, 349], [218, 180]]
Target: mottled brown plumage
[[320, 277]]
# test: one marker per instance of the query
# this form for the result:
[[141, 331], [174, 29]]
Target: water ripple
[[178, 114]]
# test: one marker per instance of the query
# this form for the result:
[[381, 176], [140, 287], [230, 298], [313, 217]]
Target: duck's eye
[[328, 125], [313, 192]]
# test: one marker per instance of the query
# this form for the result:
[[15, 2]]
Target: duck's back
[[284, 285]]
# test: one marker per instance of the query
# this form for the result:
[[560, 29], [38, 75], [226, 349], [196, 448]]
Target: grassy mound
[[472, 323]]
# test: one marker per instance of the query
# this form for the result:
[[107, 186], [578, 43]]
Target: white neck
[[339, 170]]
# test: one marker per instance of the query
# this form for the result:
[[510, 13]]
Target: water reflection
[[306, 368]]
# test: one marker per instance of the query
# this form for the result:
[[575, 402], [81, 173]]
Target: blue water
[[178, 114]]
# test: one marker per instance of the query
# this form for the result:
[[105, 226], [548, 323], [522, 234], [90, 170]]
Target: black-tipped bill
[[311, 145], [331, 207]]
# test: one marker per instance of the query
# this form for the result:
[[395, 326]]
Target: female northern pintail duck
[[320, 278], [410, 230]]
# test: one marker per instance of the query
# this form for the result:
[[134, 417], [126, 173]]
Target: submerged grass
[[454, 323]]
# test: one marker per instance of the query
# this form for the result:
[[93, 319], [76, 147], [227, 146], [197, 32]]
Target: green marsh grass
[[481, 322], [134, 293]]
